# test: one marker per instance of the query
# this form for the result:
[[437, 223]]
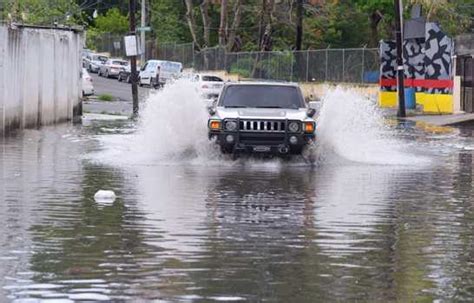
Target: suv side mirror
[[313, 107], [210, 107], [211, 110]]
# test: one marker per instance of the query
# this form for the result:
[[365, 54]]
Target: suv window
[[262, 96]]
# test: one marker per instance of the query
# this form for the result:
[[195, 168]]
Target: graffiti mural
[[438, 53], [414, 61], [388, 56], [427, 68]]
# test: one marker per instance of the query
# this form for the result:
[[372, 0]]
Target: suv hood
[[262, 113]]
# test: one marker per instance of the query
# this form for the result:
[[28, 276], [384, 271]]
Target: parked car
[[85, 53], [125, 74], [87, 87], [158, 72], [93, 62], [263, 118], [112, 68], [209, 86]]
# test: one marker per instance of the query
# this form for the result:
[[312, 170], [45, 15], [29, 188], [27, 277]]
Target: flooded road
[[194, 229]]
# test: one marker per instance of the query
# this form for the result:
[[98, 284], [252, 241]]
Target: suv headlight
[[294, 127], [309, 127], [231, 125]]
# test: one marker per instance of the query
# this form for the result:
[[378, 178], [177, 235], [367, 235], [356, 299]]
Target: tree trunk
[[206, 22], [299, 24], [375, 18], [192, 22], [266, 39], [235, 24], [266, 29], [223, 24]]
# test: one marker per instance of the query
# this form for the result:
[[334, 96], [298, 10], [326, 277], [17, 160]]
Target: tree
[[299, 24], [192, 23], [41, 12], [112, 22], [167, 19], [380, 14]]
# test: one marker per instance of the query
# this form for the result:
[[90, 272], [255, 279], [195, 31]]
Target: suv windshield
[[262, 96]]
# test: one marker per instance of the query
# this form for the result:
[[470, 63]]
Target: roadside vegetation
[[250, 25], [105, 97]]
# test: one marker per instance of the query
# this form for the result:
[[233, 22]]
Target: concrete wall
[[40, 80]]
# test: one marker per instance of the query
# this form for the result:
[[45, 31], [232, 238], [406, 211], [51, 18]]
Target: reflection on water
[[259, 231]]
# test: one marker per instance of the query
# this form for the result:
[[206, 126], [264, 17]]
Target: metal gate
[[465, 69]]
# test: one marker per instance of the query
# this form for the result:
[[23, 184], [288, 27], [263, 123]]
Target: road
[[386, 215], [121, 93]]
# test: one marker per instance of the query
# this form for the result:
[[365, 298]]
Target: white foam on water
[[173, 125], [352, 127]]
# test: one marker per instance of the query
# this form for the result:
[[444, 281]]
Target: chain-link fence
[[106, 43], [355, 65], [327, 65]]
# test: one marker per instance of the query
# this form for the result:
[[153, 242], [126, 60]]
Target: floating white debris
[[105, 196]]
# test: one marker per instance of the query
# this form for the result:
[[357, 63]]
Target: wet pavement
[[232, 231]]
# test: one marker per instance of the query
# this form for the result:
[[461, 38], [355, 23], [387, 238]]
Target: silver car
[[112, 68], [93, 62]]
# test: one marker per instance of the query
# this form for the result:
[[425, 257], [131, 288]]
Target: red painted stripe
[[426, 83]]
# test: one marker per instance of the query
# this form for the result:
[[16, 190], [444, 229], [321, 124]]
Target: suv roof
[[292, 84]]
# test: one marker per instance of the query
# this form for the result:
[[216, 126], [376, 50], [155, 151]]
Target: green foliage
[[168, 21], [243, 67], [44, 12], [112, 22], [277, 66], [105, 97]]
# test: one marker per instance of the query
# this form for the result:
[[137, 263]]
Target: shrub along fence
[[352, 65]]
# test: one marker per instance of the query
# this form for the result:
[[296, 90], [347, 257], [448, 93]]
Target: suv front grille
[[262, 126]]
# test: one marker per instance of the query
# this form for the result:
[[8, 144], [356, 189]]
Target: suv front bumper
[[262, 142]]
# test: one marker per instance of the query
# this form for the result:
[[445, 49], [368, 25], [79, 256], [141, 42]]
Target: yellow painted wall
[[435, 103], [388, 99], [432, 103]]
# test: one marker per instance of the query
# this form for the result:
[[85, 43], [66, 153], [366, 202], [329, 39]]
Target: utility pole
[[142, 33], [400, 69], [299, 24], [133, 59]]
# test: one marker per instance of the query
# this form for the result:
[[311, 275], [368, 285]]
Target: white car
[[209, 86], [112, 68], [158, 72], [87, 87], [93, 62]]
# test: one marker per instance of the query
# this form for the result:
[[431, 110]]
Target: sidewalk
[[444, 120]]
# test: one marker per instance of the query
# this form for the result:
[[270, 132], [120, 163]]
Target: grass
[[105, 97]]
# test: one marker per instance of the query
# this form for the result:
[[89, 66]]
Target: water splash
[[352, 127], [173, 125], [173, 129]]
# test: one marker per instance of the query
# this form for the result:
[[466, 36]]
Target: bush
[[105, 97], [243, 67]]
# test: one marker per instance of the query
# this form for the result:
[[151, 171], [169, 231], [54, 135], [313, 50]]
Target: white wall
[[39, 76]]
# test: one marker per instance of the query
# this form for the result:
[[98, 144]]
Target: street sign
[[131, 46], [144, 29]]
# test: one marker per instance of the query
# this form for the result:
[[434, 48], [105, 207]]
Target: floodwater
[[386, 214]]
